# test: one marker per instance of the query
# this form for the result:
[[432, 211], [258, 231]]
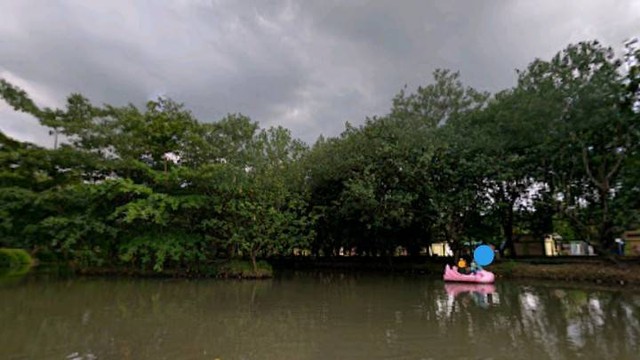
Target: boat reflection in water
[[483, 295]]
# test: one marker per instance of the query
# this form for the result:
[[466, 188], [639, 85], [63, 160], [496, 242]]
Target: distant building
[[551, 245], [580, 248], [440, 249], [528, 245], [632, 242]]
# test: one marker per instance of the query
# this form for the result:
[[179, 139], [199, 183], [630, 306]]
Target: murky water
[[304, 316]]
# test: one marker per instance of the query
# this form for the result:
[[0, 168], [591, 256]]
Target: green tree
[[589, 133]]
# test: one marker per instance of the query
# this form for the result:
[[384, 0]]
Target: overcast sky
[[307, 65]]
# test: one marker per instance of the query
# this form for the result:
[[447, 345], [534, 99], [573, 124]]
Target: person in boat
[[474, 267], [462, 265]]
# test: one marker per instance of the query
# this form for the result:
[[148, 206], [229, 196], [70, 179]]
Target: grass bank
[[572, 269], [591, 269], [594, 271], [14, 261]]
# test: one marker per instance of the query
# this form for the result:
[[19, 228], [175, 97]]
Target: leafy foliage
[[154, 188]]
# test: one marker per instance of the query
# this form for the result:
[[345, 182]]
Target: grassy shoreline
[[14, 262], [583, 272]]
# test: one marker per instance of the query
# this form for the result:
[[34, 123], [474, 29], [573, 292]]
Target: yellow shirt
[[462, 264]]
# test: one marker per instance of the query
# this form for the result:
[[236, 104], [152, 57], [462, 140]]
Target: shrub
[[15, 258], [47, 256], [6, 260], [244, 269]]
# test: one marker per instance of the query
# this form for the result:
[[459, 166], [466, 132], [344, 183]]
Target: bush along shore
[[15, 262], [587, 270], [220, 269], [20, 262]]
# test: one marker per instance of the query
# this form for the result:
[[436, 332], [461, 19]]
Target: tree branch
[[585, 161], [618, 163]]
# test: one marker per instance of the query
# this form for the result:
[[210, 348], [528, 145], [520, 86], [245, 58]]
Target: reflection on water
[[483, 295], [327, 316]]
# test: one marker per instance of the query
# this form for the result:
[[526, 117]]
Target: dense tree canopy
[[155, 187]]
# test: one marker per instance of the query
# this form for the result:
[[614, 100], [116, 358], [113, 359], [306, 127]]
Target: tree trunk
[[413, 249], [507, 226], [605, 235], [254, 263]]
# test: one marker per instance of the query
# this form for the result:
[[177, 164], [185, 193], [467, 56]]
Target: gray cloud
[[309, 66]]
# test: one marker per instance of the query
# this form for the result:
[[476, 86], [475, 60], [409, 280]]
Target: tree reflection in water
[[564, 322]]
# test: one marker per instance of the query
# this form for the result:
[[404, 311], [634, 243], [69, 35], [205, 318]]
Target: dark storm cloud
[[309, 66]]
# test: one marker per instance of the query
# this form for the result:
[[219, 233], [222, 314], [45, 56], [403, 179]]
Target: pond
[[313, 316]]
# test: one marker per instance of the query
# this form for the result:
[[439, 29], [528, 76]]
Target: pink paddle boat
[[481, 277]]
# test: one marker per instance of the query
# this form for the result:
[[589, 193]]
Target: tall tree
[[589, 132]]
